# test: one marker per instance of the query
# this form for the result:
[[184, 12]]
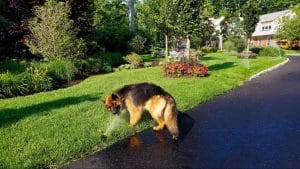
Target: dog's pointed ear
[[114, 96]]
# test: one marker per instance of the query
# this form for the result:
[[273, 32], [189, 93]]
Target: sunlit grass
[[52, 128], [288, 51]]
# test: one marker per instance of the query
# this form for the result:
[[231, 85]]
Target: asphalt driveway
[[254, 126]]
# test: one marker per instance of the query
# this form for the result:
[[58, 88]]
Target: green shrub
[[13, 65], [52, 32], [196, 55], [111, 38], [229, 45], [36, 79], [147, 64], [137, 44], [207, 49], [124, 67], [156, 52], [134, 59], [272, 52], [107, 68], [87, 66], [114, 59], [60, 70], [255, 49], [240, 45], [12, 85]]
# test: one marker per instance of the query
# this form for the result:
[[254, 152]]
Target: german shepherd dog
[[137, 98]]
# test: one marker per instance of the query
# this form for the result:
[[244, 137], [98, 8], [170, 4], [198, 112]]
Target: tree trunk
[[220, 42], [131, 15], [188, 46], [248, 44], [166, 42]]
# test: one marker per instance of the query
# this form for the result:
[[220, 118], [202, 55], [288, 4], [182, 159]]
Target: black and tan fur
[[137, 98]]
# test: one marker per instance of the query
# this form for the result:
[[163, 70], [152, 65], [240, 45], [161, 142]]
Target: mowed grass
[[49, 129], [288, 51]]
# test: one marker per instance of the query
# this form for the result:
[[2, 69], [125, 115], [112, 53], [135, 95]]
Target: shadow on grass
[[9, 116], [209, 58], [221, 66]]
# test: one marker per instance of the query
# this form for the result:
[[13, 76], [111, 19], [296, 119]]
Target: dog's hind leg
[[156, 106], [170, 116]]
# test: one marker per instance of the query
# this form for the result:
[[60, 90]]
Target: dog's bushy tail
[[170, 117]]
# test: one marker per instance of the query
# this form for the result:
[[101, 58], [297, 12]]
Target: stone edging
[[269, 69]]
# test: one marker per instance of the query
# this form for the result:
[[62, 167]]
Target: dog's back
[[141, 92]]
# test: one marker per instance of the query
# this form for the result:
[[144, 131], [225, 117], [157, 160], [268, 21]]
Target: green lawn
[[52, 128], [291, 51]]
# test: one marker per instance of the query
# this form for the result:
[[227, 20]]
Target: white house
[[265, 30]]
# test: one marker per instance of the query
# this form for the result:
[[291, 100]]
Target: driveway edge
[[269, 69]]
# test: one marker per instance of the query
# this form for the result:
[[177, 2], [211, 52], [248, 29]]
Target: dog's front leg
[[134, 118], [135, 113]]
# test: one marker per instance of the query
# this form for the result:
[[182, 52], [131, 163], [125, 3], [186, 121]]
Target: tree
[[4, 27], [160, 16], [228, 8], [110, 29], [250, 14], [109, 13], [232, 27], [189, 18], [269, 6], [290, 27], [60, 39], [81, 14]]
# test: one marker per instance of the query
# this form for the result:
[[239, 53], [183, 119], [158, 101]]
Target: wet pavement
[[254, 126]]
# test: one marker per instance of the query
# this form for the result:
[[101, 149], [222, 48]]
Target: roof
[[272, 16]]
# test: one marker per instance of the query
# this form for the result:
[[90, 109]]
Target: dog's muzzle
[[116, 110]]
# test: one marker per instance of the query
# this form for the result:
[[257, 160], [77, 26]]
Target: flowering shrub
[[179, 69]]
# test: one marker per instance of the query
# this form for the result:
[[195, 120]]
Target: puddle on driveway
[[148, 149]]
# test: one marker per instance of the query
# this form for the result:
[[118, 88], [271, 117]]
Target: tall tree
[[290, 27], [160, 16], [110, 25], [228, 8], [250, 14], [277, 5], [81, 14], [189, 18]]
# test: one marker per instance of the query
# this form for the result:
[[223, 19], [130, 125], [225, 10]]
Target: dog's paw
[[175, 138], [156, 128]]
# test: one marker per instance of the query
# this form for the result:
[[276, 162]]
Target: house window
[[259, 43], [270, 27]]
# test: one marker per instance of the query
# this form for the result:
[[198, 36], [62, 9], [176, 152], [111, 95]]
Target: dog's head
[[113, 103]]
